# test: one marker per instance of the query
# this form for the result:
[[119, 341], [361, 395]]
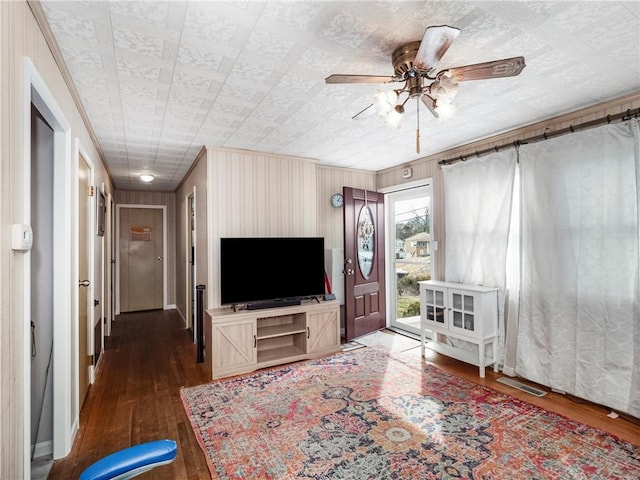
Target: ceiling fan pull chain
[[418, 127]]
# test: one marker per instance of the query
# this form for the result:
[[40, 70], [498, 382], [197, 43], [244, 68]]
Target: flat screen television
[[256, 270]]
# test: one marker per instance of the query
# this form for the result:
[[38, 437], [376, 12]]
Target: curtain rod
[[623, 116]]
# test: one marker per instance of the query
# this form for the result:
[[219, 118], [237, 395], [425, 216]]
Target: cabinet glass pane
[[457, 319], [429, 296], [429, 312], [468, 322], [439, 298], [468, 303], [457, 301], [435, 314]]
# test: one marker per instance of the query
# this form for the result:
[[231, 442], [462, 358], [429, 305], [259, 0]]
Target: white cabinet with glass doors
[[465, 312]]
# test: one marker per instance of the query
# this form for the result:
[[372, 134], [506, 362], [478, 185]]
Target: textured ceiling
[[159, 80]]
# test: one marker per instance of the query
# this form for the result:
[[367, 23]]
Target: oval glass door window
[[366, 241]]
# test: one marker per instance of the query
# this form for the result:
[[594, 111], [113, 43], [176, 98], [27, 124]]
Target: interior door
[[84, 282], [141, 259], [364, 283], [191, 264]]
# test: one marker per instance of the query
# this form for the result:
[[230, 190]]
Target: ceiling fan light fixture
[[394, 116], [445, 110], [384, 102], [444, 89]]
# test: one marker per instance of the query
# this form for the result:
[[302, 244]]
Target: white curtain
[[478, 199], [579, 322]]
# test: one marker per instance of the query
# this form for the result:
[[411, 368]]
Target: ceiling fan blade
[[507, 67], [434, 45], [337, 78], [430, 104], [361, 112]]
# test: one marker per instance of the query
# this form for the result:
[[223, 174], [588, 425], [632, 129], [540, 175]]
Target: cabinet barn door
[[234, 345], [323, 331]]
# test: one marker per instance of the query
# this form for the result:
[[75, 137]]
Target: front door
[[84, 237], [364, 283], [141, 259]]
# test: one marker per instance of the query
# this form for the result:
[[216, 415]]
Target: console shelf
[[247, 340], [278, 331]]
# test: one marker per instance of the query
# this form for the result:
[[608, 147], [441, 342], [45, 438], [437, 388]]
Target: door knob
[[84, 283], [159, 258]]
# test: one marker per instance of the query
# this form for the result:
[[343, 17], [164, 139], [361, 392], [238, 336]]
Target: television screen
[[270, 268]]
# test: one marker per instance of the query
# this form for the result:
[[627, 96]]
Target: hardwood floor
[[136, 397]]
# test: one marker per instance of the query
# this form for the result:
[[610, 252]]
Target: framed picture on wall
[[101, 211]]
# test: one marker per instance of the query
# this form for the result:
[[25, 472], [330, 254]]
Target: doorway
[[59, 181], [111, 246], [409, 254], [141, 273], [85, 277], [41, 270], [191, 264]]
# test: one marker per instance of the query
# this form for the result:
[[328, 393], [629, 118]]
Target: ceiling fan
[[414, 63]]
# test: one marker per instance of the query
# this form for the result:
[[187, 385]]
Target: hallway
[[136, 397]]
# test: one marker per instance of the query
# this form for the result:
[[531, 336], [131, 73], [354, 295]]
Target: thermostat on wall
[[21, 237], [407, 172]]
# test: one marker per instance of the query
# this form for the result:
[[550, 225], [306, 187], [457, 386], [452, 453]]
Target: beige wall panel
[[197, 177], [257, 194], [168, 199], [21, 37], [429, 167], [330, 181], [262, 194]]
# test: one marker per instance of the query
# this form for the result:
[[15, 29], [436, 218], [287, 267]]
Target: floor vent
[[522, 386]]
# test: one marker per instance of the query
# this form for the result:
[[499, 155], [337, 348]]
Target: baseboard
[[184, 320], [171, 306], [43, 449]]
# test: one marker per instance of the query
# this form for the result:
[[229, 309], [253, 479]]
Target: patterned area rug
[[368, 414]]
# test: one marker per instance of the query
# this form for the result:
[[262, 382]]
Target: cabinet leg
[[481, 358]]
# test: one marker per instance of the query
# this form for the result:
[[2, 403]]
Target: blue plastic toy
[[132, 461]]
